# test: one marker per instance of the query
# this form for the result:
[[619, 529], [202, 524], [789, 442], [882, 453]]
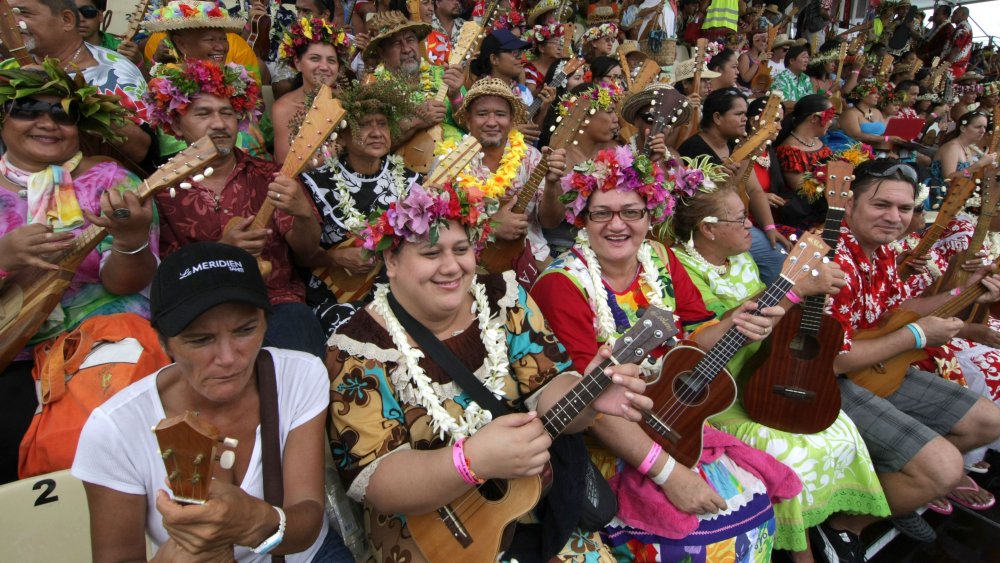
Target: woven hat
[[192, 14], [542, 8], [384, 25], [603, 14], [685, 69], [969, 77], [772, 9], [642, 98], [492, 87], [630, 46], [901, 68], [782, 40]]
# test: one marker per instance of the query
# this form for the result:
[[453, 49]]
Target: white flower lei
[[422, 391], [604, 321], [354, 220]]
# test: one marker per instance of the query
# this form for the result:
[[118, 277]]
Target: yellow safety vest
[[722, 13]]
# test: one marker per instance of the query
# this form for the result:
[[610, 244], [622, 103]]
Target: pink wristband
[[793, 297], [651, 457], [956, 292], [770, 227], [4, 273], [462, 464]]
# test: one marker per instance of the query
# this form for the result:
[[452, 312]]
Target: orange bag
[[68, 392]]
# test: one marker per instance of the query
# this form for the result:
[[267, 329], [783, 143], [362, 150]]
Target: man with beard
[[491, 111], [49, 29], [395, 49], [237, 189], [916, 429]]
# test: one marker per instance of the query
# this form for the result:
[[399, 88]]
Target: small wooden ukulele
[[959, 191], [189, 447], [11, 39]]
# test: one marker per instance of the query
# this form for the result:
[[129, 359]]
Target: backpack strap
[[270, 444]]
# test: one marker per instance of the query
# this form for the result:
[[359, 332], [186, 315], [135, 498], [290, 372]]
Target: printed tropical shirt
[[793, 88]]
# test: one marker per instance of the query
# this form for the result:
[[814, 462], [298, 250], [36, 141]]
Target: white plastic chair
[[44, 519]]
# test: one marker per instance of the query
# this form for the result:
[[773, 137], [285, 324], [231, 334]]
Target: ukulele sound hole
[[804, 347], [494, 490], [690, 388]]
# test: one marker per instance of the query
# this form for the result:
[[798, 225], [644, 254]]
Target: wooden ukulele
[[258, 37], [325, 115], [28, 296], [645, 74], [885, 377], [689, 389], [955, 276], [837, 98], [959, 191], [135, 20], [11, 39], [472, 527], [189, 447], [753, 146], [559, 77], [348, 287], [761, 80], [793, 387], [418, 152], [693, 126], [669, 108], [500, 255]]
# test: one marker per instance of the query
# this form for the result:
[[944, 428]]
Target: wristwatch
[[274, 541]]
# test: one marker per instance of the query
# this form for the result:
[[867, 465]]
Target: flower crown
[[713, 48], [814, 179], [173, 87], [868, 87], [422, 212], [617, 169], [824, 57], [305, 32], [961, 89], [100, 114], [187, 14], [603, 96], [604, 30], [542, 33]]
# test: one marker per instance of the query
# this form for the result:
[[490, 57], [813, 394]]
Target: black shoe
[[914, 526], [838, 546]]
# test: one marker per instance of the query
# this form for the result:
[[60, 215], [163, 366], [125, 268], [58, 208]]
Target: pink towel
[[642, 504]]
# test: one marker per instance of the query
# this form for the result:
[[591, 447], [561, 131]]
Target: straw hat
[[543, 7], [643, 98], [384, 25], [772, 9], [969, 77], [603, 14], [630, 46], [685, 69], [192, 14], [782, 40], [492, 87]]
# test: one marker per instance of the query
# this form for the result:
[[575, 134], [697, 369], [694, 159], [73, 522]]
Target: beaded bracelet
[[651, 457], [791, 296], [462, 464]]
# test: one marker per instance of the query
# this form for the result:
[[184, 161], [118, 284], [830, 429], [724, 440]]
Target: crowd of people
[[433, 298]]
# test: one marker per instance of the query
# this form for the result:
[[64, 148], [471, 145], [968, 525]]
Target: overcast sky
[[985, 18]]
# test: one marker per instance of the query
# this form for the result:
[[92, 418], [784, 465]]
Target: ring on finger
[[277, 196], [121, 213]]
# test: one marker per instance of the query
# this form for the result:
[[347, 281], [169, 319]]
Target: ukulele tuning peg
[[173, 475], [166, 453], [793, 238], [199, 458], [802, 245], [23, 26], [826, 260], [173, 193], [793, 259], [198, 177], [343, 123], [230, 442], [639, 352], [227, 459], [814, 273], [628, 340], [658, 334], [209, 171], [185, 185], [333, 136]]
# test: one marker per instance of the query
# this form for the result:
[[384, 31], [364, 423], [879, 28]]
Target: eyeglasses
[[88, 12], [605, 215], [28, 109], [886, 168], [738, 220]]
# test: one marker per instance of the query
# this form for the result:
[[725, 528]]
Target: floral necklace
[[701, 260], [500, 182], [354, 220], [605, 321], [415, 387]]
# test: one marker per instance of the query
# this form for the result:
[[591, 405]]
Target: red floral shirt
[[198, 214], [873, 286]]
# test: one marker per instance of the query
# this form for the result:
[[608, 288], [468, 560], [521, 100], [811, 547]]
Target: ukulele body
[[681, 413], [501, 254], [794, 388], [890, 373]]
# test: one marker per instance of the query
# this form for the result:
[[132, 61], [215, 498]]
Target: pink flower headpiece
[[542, 33], [603, 30], [305, 32]]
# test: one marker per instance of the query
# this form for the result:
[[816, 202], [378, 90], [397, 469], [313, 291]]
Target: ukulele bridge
[[454, 525], [793, 393], [662, 428]]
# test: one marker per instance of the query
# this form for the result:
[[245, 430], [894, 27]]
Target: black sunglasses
[[88, 12], [28, 109], [887, 168]]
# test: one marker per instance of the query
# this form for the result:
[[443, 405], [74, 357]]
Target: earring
[[711, 239]]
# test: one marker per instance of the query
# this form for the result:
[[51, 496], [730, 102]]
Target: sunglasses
[[887, 168], [88, 12], [29, 110]]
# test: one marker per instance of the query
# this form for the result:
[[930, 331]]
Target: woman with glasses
[[595, 292], [546, 45], [712, 231], [318, 51], [959, 154], [50, 194]]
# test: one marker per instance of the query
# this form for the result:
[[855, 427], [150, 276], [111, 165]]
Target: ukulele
[[348, 287], [959, 191], [10, 36], [837, 98], [794, 388], [563, 71], [418, 152], [885, 377], [693, 126], [758, 141], [689, 389], [761, 80], [259, 36], [135, 20], [189, 448], [500, 255], [647, 72], [325, 115], [472, 527], [669, 108], [29, 295]]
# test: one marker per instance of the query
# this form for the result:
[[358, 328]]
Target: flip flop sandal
[[976, 468], [971, 489], [946, 510]]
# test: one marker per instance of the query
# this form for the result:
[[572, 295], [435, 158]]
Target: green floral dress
[[834, 465]]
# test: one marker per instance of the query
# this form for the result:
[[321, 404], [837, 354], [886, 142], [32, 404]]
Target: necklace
[[415, 387], [497, 184], [605, 321], [803, 143], [354, 220], [73, 58], [867, 115], [693, 253]]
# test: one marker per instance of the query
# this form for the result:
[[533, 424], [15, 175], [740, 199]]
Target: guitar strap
[[270, 445]]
